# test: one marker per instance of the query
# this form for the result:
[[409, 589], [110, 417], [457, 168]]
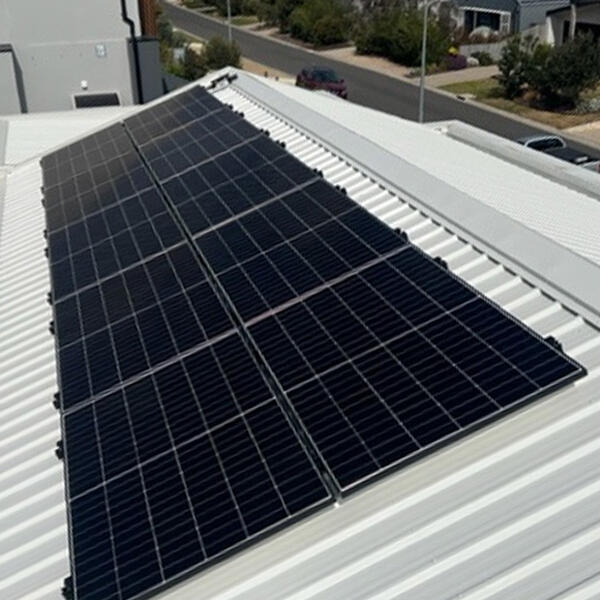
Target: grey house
[[581, 16], [505, 16], [75, 53]]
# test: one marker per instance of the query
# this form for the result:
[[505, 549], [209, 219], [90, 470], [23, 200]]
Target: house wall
[[557, 22], [65, 47], [534, 13]]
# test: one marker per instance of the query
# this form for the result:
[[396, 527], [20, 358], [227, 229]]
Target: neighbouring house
[[581, 16], [505, 16], [69, 54]]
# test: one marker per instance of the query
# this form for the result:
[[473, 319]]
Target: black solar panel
[[238, 342], [173, 470], [396, 358]]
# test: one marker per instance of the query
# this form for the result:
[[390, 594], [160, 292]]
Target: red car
[[322, 78]]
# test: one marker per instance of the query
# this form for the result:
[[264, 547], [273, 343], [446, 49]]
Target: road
[[365, 87]]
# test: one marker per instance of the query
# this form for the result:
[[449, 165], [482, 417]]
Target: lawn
[[242, 20], [489, 92]]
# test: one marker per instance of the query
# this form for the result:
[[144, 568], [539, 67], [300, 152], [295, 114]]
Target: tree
[[320, 22], [397, 34], [194, 64], [513, 64], [559, 75], [219, 53], [216, 54]]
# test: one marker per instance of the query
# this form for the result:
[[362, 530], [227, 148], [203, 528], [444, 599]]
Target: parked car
[[554, 145], [542, 142], [322, 78], [581, 159]]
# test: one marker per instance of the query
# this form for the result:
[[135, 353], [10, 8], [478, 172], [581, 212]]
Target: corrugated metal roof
[[554, 210], [33, 554], [35, 133], [510, 512]]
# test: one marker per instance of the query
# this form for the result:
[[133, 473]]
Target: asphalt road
[[364, 86]]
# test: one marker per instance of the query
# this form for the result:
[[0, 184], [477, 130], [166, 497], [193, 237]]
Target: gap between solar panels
[[238, 343]]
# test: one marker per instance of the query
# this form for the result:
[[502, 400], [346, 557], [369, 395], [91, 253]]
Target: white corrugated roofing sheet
[[33, 134], [562, 214], [33, 542], [510, 512]]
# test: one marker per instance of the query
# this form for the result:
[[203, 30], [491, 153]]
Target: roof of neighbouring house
[[509, 512]]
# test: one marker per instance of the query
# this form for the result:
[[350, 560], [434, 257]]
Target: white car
[[542, 142]]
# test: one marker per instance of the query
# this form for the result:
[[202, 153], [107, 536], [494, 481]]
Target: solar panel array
[[238, 343]]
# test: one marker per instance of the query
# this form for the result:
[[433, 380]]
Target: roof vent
[[95, 100]]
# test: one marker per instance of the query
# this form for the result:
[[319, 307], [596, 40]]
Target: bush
[[319, 22], [283, 11], [219, 53], [194, 65], [330, 30], [249, 7], [512, 66], [455, 62], [485, 58], [216, 54], [266, 12], [221, 6], [560, 74], [397, 34]]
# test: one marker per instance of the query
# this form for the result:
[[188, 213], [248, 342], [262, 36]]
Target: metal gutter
[[136, 55]]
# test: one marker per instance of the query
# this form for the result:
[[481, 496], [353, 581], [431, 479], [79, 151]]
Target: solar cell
[[178, 467]]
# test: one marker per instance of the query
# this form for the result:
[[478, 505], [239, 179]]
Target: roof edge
[[545, 263], [561, 172]]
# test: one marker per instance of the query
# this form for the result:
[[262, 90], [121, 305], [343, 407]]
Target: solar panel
[[238, 342], [396, 358], [178, 467], [130, 322]]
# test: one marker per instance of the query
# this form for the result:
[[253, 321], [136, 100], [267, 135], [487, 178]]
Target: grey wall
[[9, 97], [152, 85], [535, 13], [55, 43], [585, 14]]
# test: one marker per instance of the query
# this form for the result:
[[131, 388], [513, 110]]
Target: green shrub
[[221, 6], [219, 53], [300, 24], [194, 65], [557, 74], [216, 54], [512, 66], [330, 30], [485, 58], [397, 34], [283, 10], [319, 22], [266, 12], [249, 7], [560, 74]]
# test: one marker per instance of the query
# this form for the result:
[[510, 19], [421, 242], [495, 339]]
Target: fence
[[494, 49]]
